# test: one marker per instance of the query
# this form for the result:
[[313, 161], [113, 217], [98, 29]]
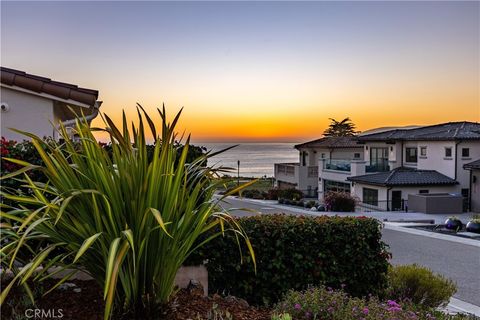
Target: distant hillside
[[382, 129]]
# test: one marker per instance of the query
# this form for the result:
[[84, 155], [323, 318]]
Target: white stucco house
[[38, 105], [383, 168], [427, 159], [316, 158]]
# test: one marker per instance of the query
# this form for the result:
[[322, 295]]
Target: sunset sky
[[266, 71]]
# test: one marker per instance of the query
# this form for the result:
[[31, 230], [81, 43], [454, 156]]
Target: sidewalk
[[391, 216]]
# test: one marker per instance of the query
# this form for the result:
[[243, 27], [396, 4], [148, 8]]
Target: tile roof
[[66, 91], [405, 177], [444, 131], [472, 165], [331, 142]]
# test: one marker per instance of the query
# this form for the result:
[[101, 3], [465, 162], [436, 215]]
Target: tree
[[344, 128]]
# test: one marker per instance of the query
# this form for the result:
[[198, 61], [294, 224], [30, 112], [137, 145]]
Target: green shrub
[[273, 194], [127, 219], [294, 252], [327, 304], [252, 194], [420, 285], [290, 194], [310, 204], [340, 201]]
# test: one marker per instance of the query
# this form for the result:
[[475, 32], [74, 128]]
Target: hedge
[[295, 252]]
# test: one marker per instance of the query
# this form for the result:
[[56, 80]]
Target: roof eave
[[47, 96]]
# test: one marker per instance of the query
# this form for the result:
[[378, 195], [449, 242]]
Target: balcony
[[378, 167], [340, 169], [287, 172], [337, 165]]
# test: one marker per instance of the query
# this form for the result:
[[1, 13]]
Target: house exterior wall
[[309, 174], [435, 158], [385, 193], [463, 176], [26, 112], [475, 191]]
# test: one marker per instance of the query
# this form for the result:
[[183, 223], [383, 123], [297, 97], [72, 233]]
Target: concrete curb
[[400, 227], [459, 306]]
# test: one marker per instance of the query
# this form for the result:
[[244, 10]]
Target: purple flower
[[394, 309], [365, 310], [330, 310], [298, 306], [392, 303], [307, 314]]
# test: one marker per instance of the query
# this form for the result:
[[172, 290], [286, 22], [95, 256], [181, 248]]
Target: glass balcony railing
[[337, 165], [378, 167]]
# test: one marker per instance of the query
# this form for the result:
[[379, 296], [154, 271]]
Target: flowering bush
[[340, 201], [419, 285], [328, 304], [24, 151]]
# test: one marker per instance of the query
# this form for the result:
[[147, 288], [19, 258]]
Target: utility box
[[444, 203]]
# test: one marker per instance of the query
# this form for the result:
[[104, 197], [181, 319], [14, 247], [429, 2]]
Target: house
[[427, 159], [474, 169], [314, 157], [38, 105], [382, 168]]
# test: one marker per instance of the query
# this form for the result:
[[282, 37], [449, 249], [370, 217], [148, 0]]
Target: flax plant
[[127, 221]]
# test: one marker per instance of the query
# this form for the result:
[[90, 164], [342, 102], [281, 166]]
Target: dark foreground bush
[[340, 201], [419, 285], [297, 252]]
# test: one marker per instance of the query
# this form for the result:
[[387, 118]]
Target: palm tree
[[344, 128]]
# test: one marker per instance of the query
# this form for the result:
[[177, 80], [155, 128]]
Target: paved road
[[456, 261]]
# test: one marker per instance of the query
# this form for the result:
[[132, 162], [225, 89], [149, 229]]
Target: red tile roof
[[66, 91]]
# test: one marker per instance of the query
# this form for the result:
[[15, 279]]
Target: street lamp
[[238, 172]]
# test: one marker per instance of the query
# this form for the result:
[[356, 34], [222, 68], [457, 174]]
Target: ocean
[[256, 159]]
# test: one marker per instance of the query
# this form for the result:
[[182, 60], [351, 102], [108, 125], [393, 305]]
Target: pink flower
[[365, 310], [298, 306]]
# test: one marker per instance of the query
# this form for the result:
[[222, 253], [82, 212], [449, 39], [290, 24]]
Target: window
[[411, 154], [448, 152], [323, 155], [379, 157], [423, 151], [465, 152], [423, 191], [356, 155], [370, 196]]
